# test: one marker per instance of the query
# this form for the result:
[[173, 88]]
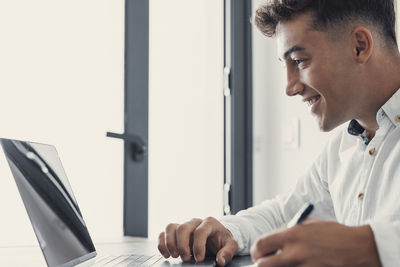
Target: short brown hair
[[328, 13]]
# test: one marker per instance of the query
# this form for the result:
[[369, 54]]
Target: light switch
[[291, 134]]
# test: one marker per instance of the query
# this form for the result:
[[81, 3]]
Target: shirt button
[[397, 118], [361, 196], [372, 151]]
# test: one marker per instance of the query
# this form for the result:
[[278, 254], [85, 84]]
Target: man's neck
[[381, 87]]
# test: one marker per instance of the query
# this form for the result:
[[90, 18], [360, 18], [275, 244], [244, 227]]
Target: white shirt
[[350, 182]]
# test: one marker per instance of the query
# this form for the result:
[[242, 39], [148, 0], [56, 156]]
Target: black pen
[[301, 215]]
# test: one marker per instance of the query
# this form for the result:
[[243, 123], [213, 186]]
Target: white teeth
[[313, 100]]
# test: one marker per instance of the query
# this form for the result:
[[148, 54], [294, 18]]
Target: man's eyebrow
[[291, 50]]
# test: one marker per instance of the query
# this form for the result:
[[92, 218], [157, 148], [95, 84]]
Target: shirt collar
[[391, 109]]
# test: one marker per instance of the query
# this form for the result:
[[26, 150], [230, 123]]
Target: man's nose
[[294, 85]]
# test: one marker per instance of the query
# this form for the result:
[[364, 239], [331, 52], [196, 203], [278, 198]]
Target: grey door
[[136, 118]]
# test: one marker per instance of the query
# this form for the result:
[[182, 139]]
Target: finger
[[200, 236], [274, 261], [183, 233], [226, 253], [311, 220], [170, 239], [267, 245], [162, 246]]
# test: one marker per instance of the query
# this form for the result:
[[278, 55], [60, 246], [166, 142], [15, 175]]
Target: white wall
[[276, 164], [62, 83], [186, 111], [61, 65]]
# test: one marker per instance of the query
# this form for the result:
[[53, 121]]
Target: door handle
[[137, 146]]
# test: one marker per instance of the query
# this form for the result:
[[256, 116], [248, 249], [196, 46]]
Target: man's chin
[[325, 130], [325, 126]]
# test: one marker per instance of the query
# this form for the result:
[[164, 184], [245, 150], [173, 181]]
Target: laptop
[[56, 218]]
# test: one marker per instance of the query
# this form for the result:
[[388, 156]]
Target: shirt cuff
[[236, 234], [387, 239]]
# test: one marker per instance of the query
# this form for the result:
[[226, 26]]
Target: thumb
[[226, 253]]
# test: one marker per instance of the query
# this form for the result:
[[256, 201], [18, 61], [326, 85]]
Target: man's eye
[[298, 61]]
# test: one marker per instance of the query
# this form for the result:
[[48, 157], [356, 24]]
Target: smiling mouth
[[312, 101]]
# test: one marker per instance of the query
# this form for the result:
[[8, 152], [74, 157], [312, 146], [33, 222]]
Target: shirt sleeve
[[387, 239], [249, 225]]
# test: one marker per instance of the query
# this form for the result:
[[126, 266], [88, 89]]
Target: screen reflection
[[48, 198]]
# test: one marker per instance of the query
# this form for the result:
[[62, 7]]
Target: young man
[[342, 59]]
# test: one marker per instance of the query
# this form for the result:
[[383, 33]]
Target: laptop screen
[[49, 201]]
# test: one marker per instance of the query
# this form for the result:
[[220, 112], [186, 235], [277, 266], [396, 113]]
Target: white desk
[[31, 256]]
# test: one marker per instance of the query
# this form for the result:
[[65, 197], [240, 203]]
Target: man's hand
[[318, 243], [198, 237]]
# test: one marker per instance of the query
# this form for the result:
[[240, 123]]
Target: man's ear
[[362, 44]]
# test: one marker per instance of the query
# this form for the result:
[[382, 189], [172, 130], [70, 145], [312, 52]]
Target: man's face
[[318, 69]]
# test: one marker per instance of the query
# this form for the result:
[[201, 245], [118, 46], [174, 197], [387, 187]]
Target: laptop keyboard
[[127, 260]]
